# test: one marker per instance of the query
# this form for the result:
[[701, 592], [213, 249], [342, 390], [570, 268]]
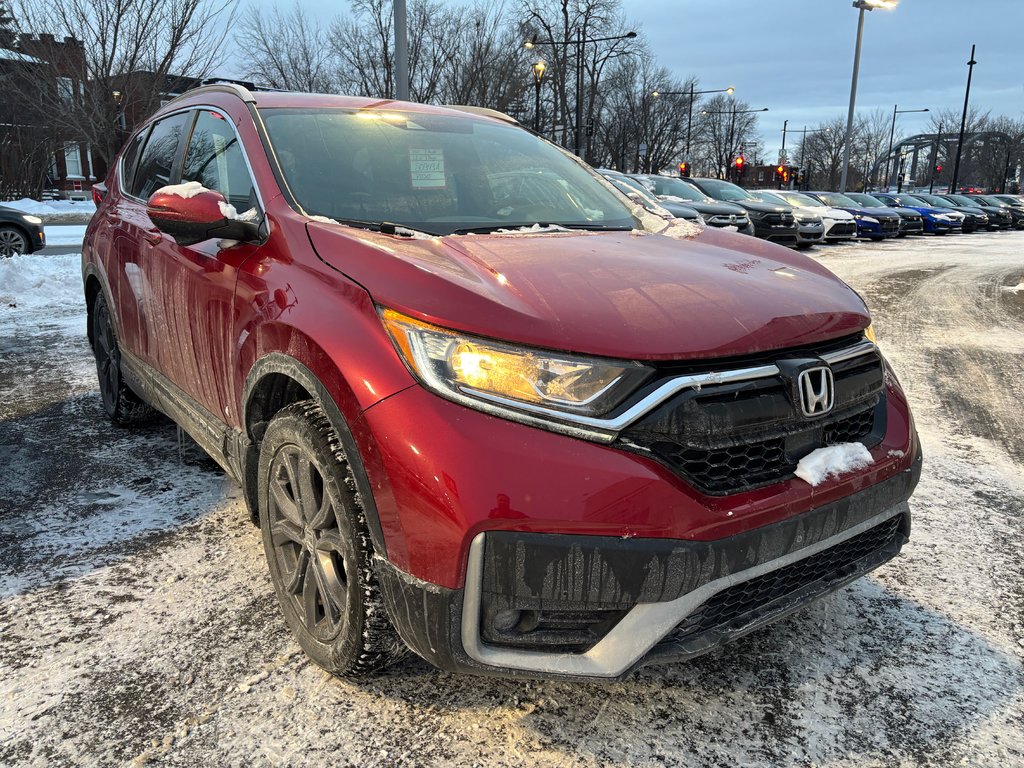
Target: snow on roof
[[9, 55]]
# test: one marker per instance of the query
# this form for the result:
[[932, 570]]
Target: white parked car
[[839, 224]]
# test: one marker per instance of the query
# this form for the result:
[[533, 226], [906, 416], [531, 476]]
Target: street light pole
[[693, 94], [892, 134], [963, 125], [401, 52], [862, 5], [538, 76], [579, 42], [732, 123]]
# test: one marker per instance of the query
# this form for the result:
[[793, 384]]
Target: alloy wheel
[[313, 557], [12, 242]]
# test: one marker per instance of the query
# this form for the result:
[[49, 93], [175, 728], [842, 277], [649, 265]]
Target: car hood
[[679, 210], [616, 294], [834, 213], [717, 209], [757, 205], [873, 212]]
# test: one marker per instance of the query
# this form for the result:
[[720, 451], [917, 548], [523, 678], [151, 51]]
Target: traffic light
[[739, 162], [684, 169], [938, 168]]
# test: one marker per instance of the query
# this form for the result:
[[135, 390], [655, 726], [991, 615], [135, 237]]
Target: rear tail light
[[99, 191]]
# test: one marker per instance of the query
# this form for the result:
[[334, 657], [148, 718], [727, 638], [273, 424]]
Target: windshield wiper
[[384, 227], [543, 227]]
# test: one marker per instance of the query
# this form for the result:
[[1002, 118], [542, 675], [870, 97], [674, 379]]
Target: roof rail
[[244, 83], [232, 87], [484, 111]]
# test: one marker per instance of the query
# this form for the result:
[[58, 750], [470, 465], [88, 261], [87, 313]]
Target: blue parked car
[[937, 221], [872, 223]]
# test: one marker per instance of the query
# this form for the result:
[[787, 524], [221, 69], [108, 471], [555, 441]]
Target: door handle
[[153, 236]]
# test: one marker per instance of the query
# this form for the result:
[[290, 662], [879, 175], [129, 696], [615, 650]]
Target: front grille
[[890, 225], [746, 602], [912, 224], [778, 219], [728, 438], [727, 469], [843, 228]]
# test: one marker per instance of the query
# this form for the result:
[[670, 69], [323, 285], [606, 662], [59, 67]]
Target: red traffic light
[[780, 170], [739, 161], [684, 169], [938, 169]]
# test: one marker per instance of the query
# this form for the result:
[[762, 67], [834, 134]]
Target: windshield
[[806, 201], [669, 187], [768, 197], [724, 190], [964, 200], [627, 188], [868, 200], [439, 174], [837, 200], [994, 201], [937, 201]]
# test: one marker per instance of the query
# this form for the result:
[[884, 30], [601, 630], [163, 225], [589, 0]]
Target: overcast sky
[[796, 56]]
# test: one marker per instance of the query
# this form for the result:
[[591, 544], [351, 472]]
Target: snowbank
[[51, 207], [35, 281], [832, 461]]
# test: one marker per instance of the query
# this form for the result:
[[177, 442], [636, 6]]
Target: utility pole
[[935, 160], [853, 101], [401, 52], [963, 125]]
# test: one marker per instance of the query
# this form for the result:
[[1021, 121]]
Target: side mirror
[[190, 214]]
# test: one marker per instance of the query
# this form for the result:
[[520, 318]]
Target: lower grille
[[738, 606], [728, 469]]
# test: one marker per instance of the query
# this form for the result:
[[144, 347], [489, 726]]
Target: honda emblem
[[817, 391]]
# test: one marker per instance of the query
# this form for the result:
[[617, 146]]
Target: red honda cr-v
[[481, 404]]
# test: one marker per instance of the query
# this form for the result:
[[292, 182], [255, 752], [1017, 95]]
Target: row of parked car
[[803, 219]]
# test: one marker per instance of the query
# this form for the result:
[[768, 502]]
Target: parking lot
[[139, 623]]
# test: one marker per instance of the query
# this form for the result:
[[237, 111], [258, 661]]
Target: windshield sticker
[[427, 167]]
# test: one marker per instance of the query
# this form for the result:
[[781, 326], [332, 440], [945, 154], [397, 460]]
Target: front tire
[[12, 242], [318, 546]]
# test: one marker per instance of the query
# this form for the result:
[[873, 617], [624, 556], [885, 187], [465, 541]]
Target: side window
[[129, 158], [215, 160], [158, 156]]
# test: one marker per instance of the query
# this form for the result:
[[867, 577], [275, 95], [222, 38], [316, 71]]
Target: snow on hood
[[682, 292]]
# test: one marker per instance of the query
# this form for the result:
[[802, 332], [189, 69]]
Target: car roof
[[222, 92]]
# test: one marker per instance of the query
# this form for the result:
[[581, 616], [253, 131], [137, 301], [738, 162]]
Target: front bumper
[[639, 601], [841, 230], [783, 234], [811, 233]]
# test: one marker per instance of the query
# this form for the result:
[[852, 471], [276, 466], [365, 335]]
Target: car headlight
[[473, 371], [31, 219], [941, 217], [868, 219], [869, 333]]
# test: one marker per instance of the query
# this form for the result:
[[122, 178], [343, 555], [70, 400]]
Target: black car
[[998, 218], [911, 221], [638, 193], [976, 218], [672, 190], [1016, 211], [20, 232], [771, 222]]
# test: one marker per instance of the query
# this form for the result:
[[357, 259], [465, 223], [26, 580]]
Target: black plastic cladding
[[741, 604]]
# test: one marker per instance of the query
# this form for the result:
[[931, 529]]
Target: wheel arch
[[277, 380]]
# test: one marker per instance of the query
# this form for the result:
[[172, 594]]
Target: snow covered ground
[[65, 234], [139, 625], [51, 207]]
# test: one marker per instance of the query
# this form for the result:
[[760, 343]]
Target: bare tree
[[284, 49], [726, 129], [125, 46], [821, 153]]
